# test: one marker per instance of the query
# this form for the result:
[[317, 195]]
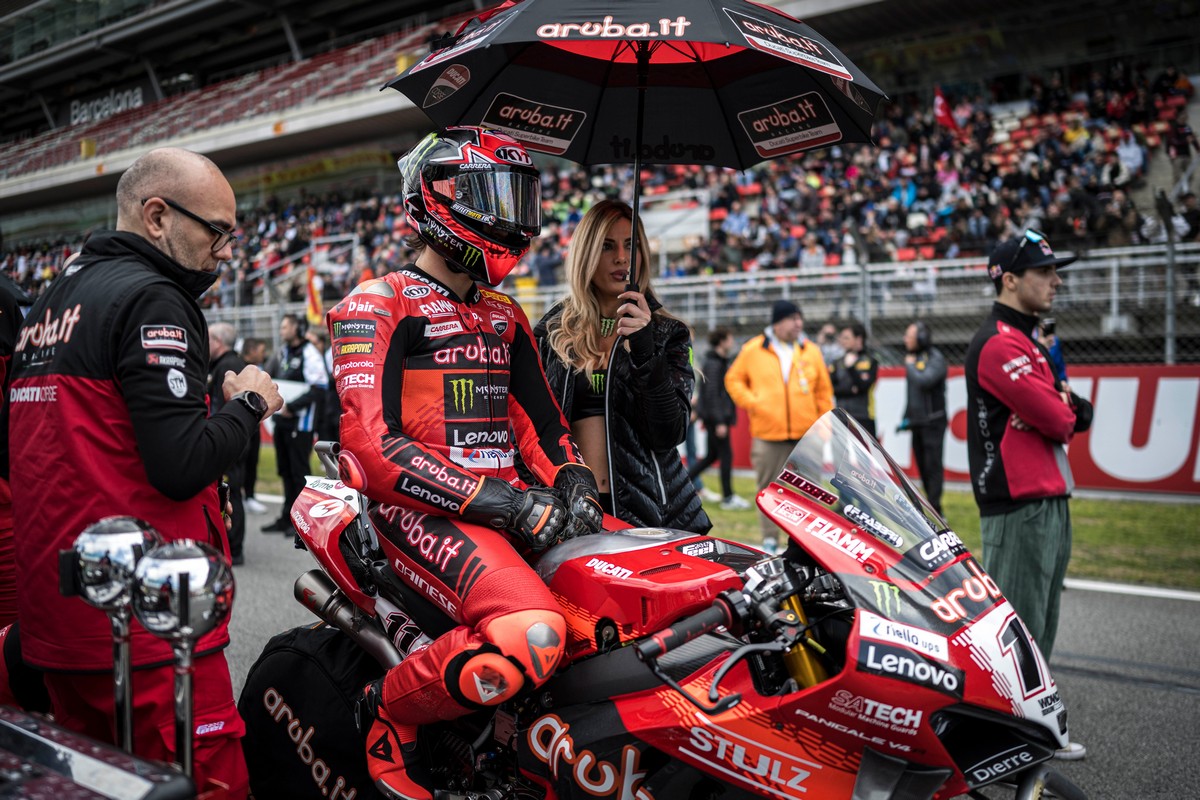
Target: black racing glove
[[577, 486], [535, 516]]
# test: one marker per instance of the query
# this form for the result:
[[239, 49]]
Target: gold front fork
[[801, 661]]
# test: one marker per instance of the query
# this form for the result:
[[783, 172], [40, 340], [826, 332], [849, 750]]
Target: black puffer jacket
[[647, 419]]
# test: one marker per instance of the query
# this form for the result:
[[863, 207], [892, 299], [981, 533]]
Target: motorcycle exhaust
[[315, 591]]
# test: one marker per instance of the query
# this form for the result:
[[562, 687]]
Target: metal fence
[[1115, 306]]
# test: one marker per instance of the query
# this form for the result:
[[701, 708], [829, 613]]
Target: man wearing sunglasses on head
[[1020, 418], [108, 417]]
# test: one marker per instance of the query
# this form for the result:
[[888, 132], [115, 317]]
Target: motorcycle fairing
[[322, 511], [616, 587]]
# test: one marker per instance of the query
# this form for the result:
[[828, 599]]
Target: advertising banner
[[1143, 438]]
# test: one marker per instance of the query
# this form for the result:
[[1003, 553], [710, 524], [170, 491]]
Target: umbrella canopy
[[721, 82]]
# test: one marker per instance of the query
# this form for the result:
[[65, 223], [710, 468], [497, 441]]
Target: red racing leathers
[[437, 392]]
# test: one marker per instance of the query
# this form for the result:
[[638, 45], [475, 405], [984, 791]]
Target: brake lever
[[719, 707], [743, 652]]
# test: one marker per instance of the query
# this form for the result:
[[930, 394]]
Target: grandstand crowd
[[931, 188]]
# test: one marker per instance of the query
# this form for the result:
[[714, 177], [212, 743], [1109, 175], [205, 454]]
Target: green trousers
[[1026, 551]]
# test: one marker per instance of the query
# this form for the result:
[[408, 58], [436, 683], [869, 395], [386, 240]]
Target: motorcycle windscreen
[[839, 466]]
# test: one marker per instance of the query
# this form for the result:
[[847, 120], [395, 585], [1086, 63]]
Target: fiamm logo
[[463, 390]]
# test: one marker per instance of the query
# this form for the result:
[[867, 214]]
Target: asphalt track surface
[[1127, 666]]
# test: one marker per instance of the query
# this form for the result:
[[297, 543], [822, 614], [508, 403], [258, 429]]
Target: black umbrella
[[723, 82]]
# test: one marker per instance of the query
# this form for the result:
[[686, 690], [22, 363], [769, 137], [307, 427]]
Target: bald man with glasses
[[108, 417]]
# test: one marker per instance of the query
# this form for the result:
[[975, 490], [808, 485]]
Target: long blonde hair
[[575, 335]]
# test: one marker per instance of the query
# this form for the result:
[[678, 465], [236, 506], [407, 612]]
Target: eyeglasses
[[1030, 236], [224, 237]]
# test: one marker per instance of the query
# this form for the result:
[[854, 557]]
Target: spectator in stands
[[779, 377], [737, 221], [1191, 214], [1121, 220], [925, 411], [1171, 82], [1181, 143], [1132, 154], [546, 263], [854, 374], [812, 255]]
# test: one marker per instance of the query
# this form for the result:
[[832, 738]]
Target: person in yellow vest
[[780, 379]]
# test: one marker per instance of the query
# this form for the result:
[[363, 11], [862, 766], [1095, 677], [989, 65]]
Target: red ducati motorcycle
[[872, 659]]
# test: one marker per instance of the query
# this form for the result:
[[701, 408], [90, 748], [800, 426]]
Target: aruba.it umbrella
[[723, 82]]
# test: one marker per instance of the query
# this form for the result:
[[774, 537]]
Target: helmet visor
[[511, 195]]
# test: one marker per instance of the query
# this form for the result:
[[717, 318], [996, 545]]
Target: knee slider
[[523, 646], [533, 639]]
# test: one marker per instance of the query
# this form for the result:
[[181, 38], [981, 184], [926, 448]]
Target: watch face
[[255, 402]]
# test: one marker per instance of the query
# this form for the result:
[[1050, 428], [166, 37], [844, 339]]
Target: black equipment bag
[[298, 705]]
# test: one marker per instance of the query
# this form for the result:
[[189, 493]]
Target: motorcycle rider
[[441, 385]]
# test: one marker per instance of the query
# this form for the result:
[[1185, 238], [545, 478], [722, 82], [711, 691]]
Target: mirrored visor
[[509, 194]]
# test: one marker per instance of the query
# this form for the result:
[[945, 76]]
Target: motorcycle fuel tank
[[618, 586]]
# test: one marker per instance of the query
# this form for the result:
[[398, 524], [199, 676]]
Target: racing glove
[[536, 516], [577, 486]]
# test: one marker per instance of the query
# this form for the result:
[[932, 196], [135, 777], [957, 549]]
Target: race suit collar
[[1026, 323], [413, 271], [124, 244]]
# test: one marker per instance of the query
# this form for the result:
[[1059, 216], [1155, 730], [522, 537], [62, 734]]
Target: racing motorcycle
[[872, 659]]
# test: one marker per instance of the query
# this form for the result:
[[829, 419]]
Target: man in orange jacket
[[781, 380]]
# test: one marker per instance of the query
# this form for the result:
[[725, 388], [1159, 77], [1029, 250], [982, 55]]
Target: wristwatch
[[252, 401]]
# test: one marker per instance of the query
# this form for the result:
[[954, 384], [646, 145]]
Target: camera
[[1048, 326]]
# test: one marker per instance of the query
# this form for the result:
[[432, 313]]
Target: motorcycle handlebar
[[719, 614]]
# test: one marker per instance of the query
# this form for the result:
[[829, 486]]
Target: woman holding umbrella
[[621, 368]]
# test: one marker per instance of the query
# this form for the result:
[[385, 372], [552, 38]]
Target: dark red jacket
[[1009, 373], [108, 417]]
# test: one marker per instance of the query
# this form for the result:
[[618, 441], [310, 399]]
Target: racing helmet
[[474, 196]]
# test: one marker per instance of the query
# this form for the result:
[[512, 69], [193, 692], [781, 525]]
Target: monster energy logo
[[885, 595], [471, 256], [597, 383], [464, 394]]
